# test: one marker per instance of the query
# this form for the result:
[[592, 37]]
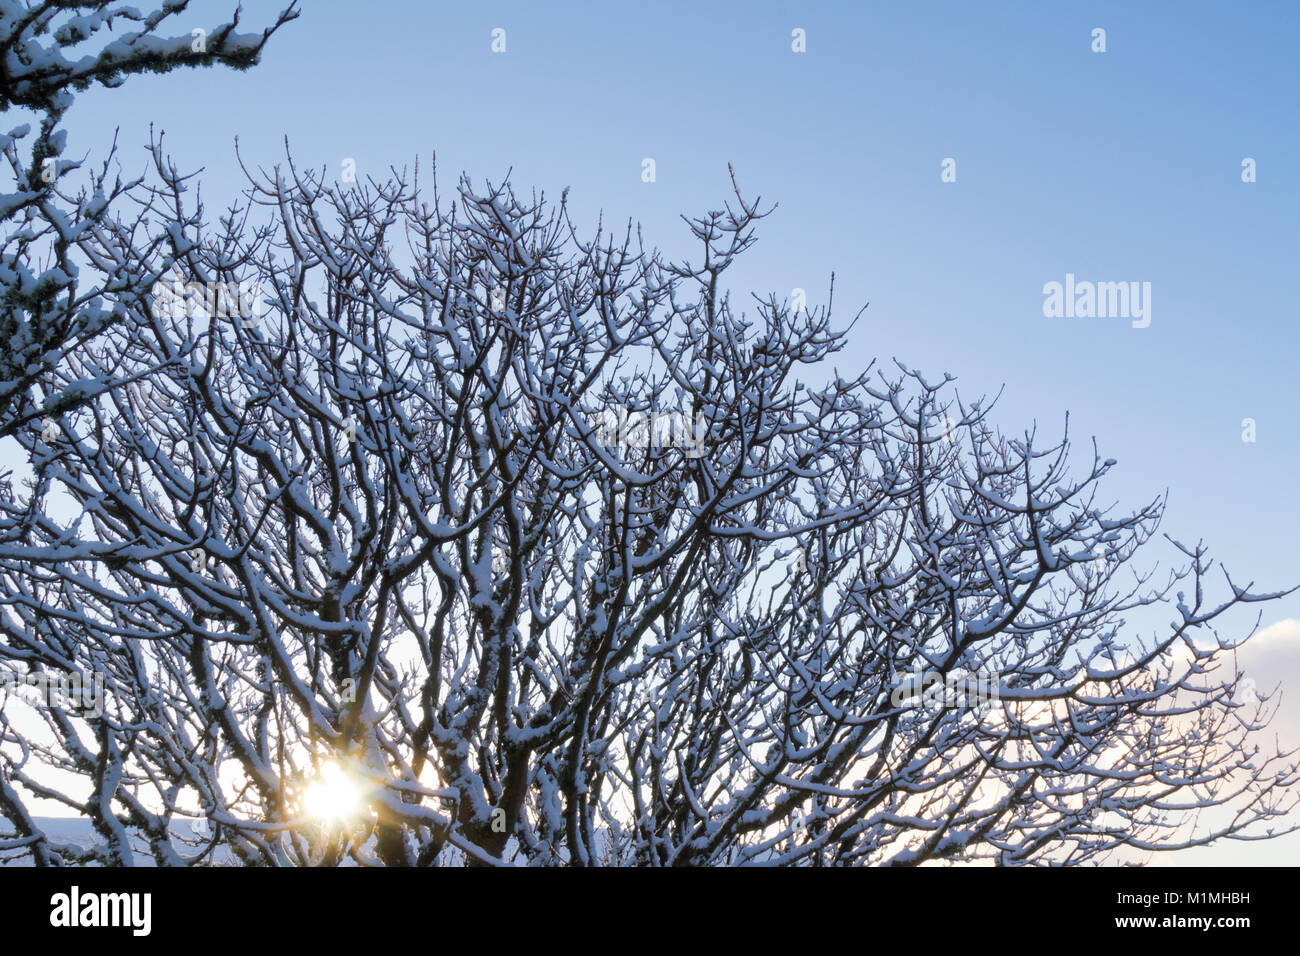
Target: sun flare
[[332, 795]]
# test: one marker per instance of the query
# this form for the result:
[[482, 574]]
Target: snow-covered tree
[[433, 532], [48, 51]]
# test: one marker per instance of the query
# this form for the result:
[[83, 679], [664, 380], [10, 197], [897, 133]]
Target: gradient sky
[[1117, 166]]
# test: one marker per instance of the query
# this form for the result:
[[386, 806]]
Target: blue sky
[[1115, 166]]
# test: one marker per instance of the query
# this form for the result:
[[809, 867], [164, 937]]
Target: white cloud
[[1279, 635]]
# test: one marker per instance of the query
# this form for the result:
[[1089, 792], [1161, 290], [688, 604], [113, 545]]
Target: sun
[[332, 795]]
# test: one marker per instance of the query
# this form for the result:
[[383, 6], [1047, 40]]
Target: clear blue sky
[[1117, 166]]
